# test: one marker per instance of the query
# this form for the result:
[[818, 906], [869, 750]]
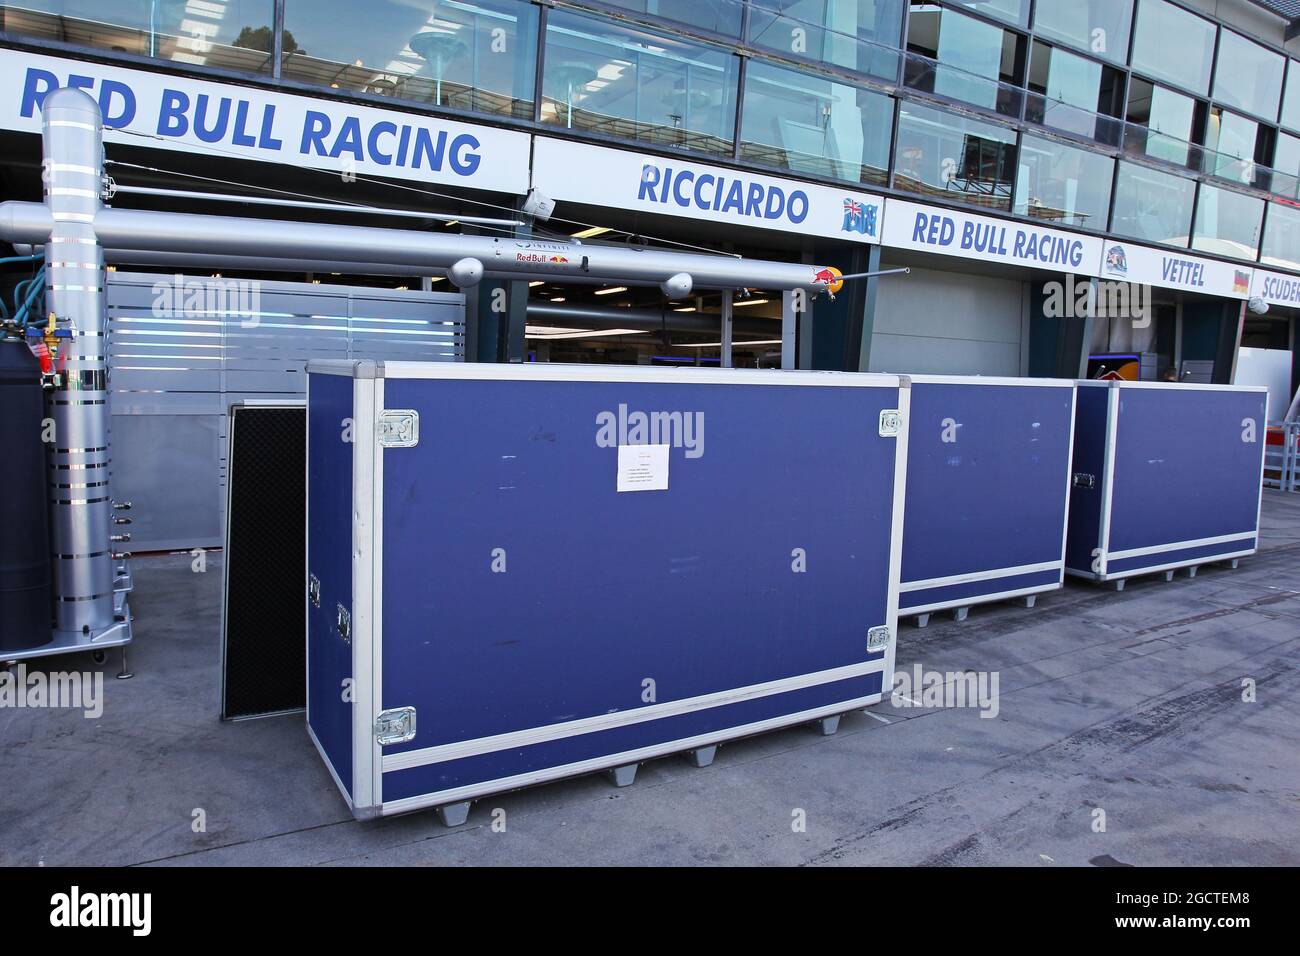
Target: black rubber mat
[[265, 637]]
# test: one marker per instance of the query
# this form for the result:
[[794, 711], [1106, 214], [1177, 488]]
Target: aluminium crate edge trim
[[569, 771], [557, 372]]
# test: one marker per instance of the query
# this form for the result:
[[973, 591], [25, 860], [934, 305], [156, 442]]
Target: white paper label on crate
[[643, 467]]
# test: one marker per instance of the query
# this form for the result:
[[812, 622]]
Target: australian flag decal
[[859, 217]]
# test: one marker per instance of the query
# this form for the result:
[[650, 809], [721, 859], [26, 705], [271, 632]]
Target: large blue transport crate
[[988, 481], [502, 591], [1166, 476]]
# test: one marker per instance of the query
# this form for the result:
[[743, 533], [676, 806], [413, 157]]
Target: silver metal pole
[[789, 323], [80, 502], [466, 258], [728, 328]]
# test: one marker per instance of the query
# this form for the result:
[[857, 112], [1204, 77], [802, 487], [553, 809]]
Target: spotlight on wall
[[1257, 304]]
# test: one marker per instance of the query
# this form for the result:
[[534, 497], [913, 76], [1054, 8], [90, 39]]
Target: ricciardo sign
[[616, 178]]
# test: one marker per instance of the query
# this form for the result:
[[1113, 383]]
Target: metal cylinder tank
[[24, 545], [80, 506]]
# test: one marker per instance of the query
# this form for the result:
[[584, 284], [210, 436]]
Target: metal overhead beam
[[709, 323], [466, 259]]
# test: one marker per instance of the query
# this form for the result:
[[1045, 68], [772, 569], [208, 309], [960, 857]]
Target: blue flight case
[[988, 481], [1166, 476], [520, 573]]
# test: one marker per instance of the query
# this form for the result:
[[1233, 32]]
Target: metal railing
[[1282, 457]]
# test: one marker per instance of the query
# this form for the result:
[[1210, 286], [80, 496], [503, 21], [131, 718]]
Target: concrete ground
[[1129, 703]]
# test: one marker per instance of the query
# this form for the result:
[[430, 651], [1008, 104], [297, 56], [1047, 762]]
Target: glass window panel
[[229, 34], [476, 56], [859, 35], [1099, 26], [1152, 205], [1248, 76], [811, 124], [1069, 89], [1015, 12], [1287, 155], [1286, 160], [1291, 101], [1227, 223], [1062, 184], [716, 16], [1168, 117], [1173, 45], [942, 154], [969, 46], [1281, 237], [620, 81], [1231, 141], [1074, 80]]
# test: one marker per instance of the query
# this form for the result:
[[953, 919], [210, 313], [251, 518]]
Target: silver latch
[[1084, 480], [891, 422], [878, 639], [313, 590], [399, 428], [343, 621], [395, 726]]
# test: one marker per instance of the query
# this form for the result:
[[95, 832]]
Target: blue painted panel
[[1089, 459], [1182, 470], [434, 778], [986, 480], [974, 590], [691, 588], [329, 557]]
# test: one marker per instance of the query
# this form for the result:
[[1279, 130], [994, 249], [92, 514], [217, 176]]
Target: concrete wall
[[949, 323]]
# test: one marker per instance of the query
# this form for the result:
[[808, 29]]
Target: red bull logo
[[830, 277], [561, 260]]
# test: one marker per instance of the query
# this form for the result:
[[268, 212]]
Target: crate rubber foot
[[828, 725], [1119, 584], [1234, 563], [1169, 575], [702, 756], [959, 613], [1029, 600], [454, 814], [623, 776], [1191, 572], [922, 620]]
